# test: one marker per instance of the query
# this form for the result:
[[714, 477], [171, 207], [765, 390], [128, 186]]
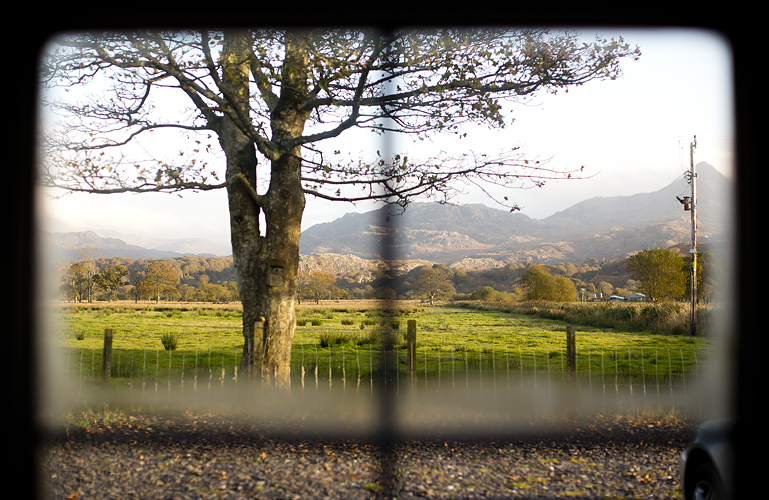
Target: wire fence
[[649, 372]]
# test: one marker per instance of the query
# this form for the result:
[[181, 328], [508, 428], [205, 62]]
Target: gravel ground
[[213, 456]]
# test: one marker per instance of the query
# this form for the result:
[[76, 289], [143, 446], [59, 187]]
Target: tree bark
[[283, 208], [283, 214], [240, 153], [266, 266], [244, 234]]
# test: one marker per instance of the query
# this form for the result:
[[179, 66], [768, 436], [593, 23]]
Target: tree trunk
[[283, 213], [245, 238], [266, 266], [283, 208], [244, 212]]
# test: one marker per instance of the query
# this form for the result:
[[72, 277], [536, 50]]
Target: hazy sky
[[632, 135]]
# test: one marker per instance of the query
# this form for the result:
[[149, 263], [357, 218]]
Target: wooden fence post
[[106, 359], [571, 351], [411, 342], [571, 395]]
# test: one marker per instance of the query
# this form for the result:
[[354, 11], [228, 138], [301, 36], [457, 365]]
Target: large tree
[[73, 282], [111, 278], [272, 98], [708, 277], [316, 286], [433, 284], [661, 273], [157, 278], [537, 283], [86, 271]]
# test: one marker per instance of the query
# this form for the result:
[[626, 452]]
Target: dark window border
[[23, 45]]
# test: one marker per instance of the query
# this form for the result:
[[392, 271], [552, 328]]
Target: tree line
[[660, 274], [187, 279]]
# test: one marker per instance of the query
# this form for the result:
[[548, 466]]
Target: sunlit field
[[342, 340]]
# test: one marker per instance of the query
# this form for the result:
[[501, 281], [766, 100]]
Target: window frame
[[21, 243]]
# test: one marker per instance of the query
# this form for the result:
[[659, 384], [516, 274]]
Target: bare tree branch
[[400, 180], [409, 82]]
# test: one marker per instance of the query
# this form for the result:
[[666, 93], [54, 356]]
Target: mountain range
[[474, 236]]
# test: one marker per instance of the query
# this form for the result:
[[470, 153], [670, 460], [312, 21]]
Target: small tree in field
[[484, 293], [433, 284], [537, 283], [708, 277]]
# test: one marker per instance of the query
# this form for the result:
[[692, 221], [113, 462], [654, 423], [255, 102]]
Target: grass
[[205, 339], [667, 318], [344, 340]]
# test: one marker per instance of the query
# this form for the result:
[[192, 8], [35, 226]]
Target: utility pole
[[690, 205], [693, 250]]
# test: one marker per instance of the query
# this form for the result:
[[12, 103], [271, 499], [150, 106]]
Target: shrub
[[331, 339], [483, 293], [169, 341], [390, 323], [371, 338]]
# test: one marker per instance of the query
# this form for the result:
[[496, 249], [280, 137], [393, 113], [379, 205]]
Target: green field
[[341, 341]]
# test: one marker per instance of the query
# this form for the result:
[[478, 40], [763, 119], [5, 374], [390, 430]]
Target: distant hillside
[[183, 246], [644, 208], [601, 227], [352, 267], [63, 247], [424, 230]]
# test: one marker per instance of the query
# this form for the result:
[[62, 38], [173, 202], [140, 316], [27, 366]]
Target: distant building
[[633, 297]]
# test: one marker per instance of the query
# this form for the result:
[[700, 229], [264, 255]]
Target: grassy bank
[[663, 319]]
